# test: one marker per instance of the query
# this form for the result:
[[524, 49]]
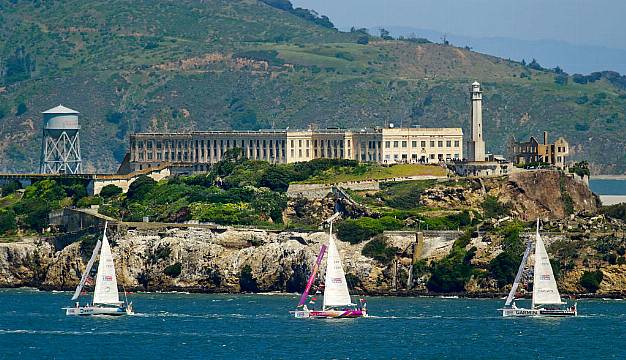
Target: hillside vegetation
[[242, 64]]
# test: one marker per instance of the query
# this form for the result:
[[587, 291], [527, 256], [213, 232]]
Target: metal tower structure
[[60, 147]]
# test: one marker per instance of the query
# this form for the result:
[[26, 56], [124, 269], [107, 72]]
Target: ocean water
[[608, 186], [199, 326]]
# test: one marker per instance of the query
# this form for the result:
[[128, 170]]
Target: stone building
[[532, 151], [382, 145]]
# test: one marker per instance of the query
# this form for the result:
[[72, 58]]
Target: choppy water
[[195, 326]]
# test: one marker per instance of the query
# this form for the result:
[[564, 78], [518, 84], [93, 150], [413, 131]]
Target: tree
[[110, 191], [140, 187], [18, 66], [10, 187], [277, 178], [503, 268], [21, 109], [384, 34]]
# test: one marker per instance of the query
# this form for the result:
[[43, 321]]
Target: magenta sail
[[305, 294]]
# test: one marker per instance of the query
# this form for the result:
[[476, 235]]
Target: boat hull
[[96, 311], [540, 312], [329, 314]]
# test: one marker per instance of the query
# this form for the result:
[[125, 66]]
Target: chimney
[[545, 138]]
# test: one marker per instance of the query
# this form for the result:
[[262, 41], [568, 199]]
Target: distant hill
[[195, 65], [583, 59]]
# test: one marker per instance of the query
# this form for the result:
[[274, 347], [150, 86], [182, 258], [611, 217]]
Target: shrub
[[87, 201], [173, 270], [355, 231], [617, 211], [247, 282], [162, 252], [110, 190], [379, 250], [591, 280], [7, 221], [451, 273], [492, 208]]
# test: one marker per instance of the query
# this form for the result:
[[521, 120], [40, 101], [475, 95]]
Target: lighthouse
[[476, 144]]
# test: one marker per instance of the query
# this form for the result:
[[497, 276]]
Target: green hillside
[[196, 65]]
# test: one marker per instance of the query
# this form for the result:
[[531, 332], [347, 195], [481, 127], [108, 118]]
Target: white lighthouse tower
[[476, 144]]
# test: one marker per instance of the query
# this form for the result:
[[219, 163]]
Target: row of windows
[[414, 157], [423, 143]]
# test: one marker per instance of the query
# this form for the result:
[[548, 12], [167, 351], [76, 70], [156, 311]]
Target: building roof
[[476, 83], [60, 110]]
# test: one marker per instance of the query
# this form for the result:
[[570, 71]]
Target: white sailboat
[[546, 300], [106, 300], [337, 301]]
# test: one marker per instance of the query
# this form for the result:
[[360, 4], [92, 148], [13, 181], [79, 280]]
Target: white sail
[[518, 276], [106, 283], [545, 290], [79, 288], [336, 288]]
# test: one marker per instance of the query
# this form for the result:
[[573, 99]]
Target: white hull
[[540, 312], [95, 310]]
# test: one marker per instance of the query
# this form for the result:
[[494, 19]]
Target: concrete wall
[[124, 182]]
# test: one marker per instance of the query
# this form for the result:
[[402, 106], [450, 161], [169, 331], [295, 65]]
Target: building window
[[423, 144], [440, 143], [432, 144], [432, 156], [395, 144], [307, 153], [292, 143], [448, 143], [387, 144], [456, 143], [456, 156], [300, 153], [404, 156], [299, 143], [413, 143], [387, 157], [404, 144], [292, 152]]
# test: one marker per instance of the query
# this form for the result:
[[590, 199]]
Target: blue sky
[[579, 22]]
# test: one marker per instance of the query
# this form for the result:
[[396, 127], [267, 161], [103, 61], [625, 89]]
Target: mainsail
[[106, 283], [545, 290], [336, 288], [83, 279], [518, 277]]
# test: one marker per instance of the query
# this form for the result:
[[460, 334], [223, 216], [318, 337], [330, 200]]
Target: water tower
[[60, 148]]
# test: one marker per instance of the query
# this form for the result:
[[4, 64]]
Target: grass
[[375, 172]]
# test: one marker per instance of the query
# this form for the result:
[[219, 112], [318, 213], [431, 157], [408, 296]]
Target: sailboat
[[106, 300], [337, 301], [546, 300]]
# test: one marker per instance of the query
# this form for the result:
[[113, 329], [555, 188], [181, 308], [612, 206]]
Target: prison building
[[390, 145]]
